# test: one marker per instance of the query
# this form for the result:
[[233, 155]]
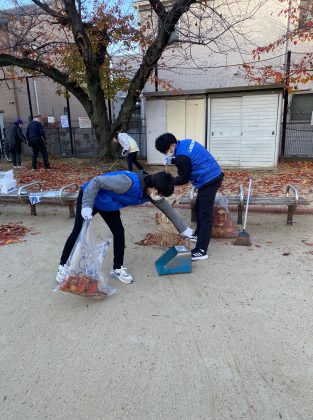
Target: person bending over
[[106, 194], [196, 165], [129, 147]]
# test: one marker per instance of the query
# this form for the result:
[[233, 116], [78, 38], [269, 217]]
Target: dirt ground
[[231, 340]]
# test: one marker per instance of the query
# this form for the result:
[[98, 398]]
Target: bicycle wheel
[[7, 154]]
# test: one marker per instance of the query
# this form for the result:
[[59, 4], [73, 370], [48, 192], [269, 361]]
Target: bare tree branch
[[52, 72]]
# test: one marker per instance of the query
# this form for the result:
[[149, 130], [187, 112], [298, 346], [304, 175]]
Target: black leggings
[[204, 212], [112, 219], [16, 158], [132, 159]]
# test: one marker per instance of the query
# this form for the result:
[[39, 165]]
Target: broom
[[243, 237]]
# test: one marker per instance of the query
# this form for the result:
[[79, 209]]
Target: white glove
[[188, 233], [167, 160], [86, 213]]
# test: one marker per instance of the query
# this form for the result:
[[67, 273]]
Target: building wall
[[218, 64], [15, 104], [243, 127]]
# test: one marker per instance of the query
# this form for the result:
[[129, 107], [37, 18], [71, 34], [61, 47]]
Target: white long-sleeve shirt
[[127, 143]]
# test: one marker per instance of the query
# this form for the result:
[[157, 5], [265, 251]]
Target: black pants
[[112, 219], [38, 145], [16, 158], [132, 159], [204, 212]]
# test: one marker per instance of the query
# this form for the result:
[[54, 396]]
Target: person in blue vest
[[106, 194], [196, 165]]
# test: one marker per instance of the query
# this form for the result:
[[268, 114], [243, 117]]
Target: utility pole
[[156, 75], [283, 134], [29, 99], [69, 122]]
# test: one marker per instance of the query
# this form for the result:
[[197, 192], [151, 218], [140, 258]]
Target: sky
[[7, 4]]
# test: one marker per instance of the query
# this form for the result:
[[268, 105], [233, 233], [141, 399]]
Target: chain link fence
[[84, 142], [299, 140]]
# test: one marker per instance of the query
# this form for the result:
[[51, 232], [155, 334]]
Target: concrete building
[[214, 103]]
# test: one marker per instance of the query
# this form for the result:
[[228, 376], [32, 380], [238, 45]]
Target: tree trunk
[[99, 115]]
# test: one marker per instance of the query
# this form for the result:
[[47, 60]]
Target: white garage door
[[243, 130], [186, 118], [225, 136]]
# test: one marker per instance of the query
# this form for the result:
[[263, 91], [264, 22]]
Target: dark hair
[[18, 122], [163, 182], [163, 142]]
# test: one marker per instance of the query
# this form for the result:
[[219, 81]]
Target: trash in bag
[[222, 226], [84, 276]]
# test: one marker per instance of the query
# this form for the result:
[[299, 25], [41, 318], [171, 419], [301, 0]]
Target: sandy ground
[[231, 340]]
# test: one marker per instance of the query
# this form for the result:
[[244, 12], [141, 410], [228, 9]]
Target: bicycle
[[3, 152]]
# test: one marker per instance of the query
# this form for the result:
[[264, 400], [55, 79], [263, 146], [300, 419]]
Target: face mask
[[155, 197], [170, 154]]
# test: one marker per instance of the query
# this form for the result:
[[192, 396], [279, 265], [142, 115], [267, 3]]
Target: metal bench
[[291, 200], [61, 196]]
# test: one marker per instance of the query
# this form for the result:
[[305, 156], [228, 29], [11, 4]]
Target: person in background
[[129, 146], [37, 141], [14, 140], [106, 194], [196, 165]]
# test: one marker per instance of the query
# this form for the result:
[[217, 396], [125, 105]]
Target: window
[[302, 107], [174, 35], [306, 12]]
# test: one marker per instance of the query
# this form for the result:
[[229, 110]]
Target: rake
[[243, 237]]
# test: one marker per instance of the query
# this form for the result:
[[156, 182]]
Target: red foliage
[[12, 233], [81, 285]]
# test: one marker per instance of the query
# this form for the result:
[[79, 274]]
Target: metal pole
[[110, 112], [206, 121], [283, 135], [29, 99], [69, 122], [36, 97], [156, 74]]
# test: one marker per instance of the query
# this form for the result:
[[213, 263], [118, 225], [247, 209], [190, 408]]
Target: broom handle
[[180, 196], [247, 205], [114, 163]]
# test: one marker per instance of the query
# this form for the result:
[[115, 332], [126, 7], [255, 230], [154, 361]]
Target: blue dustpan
[[175, 260]]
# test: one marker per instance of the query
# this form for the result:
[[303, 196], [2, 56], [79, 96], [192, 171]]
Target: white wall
[[156, 125]]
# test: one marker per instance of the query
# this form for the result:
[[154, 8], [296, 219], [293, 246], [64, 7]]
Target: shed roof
[[213, 90]]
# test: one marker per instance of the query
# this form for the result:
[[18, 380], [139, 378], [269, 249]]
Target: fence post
[[283, 134]]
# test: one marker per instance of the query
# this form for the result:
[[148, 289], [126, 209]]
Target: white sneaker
[[121, 274], [193, 238], [61, 273]]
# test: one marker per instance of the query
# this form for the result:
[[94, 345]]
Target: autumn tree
[[297, 38], [74, 42]]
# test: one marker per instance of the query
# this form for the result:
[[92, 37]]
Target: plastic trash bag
[[84, 276], [222, 226]]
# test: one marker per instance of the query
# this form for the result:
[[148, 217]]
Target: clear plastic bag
[[222, 223], [84, 276]]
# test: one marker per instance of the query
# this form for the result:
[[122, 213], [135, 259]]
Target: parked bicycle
[[4, 153]]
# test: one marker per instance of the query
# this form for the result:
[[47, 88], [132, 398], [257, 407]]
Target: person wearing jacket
[[196, 165], [14, 139], [106, 194], [129, 147], [37, 140]]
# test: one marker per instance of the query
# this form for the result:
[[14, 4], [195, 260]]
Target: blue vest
[[204, 167], [110, 201]]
